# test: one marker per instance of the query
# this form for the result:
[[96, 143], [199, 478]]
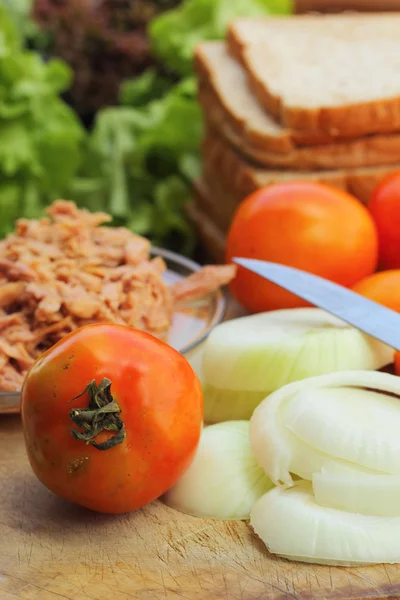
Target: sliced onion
[[291, 432], [248, 358], [306, 460], [359, 492], [278, 450], [350, 423], [334, 467], [224, 480], [293, 525]]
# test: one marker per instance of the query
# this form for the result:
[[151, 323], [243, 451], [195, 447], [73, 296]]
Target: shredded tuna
[[10, 292], [11, 379], [67, 270], [16, 271], [203, 282]]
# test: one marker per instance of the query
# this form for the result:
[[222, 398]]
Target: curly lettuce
[[175, 34], [40, 136]]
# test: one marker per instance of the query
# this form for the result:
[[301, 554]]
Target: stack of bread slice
[[313, 97]]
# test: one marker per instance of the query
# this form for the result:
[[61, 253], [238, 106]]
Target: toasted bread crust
[[214, 204], [351, 118], [257, 130], [259, 138], [369, 151], [237, 178], [261, 130]]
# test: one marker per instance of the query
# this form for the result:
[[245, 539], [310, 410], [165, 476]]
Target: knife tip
[[239, 261]]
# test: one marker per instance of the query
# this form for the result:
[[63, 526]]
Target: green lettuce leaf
[[19, 12], [174, 34], [41, 139], [58, 140], [9, 39], [139, 159], [144, 155], [147, 87], [17, 152]]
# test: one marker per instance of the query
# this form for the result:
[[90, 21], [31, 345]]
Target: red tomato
[[131, 455], [311, 226], [384, 206], [383, 287]]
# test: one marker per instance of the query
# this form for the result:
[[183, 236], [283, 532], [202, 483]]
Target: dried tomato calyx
[[102, 414]]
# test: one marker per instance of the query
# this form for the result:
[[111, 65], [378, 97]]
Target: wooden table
[[52, 550]]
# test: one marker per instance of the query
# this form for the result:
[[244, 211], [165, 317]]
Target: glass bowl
[[191, 323]]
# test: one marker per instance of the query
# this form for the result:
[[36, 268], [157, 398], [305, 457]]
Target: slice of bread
[[240, 119], [223, 79], [245, 31], [230, 178], [341, 77]]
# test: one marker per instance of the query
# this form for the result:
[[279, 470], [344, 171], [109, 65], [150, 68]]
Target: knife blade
[[370, 317]]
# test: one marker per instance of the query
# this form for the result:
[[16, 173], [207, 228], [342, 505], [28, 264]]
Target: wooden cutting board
[[51, 550]]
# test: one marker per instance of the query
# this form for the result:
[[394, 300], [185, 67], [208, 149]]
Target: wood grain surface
[[52, 550]]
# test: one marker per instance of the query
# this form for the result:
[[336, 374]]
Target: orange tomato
[[111, 417], [383, 287], [384, 206], [310, 226]]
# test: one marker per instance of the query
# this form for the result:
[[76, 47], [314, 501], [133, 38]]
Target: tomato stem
[[102, 414]]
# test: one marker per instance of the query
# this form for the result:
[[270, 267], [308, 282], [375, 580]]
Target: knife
[[370, 317]]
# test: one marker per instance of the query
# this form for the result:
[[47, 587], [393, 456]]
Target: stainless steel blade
[[378, 321]]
